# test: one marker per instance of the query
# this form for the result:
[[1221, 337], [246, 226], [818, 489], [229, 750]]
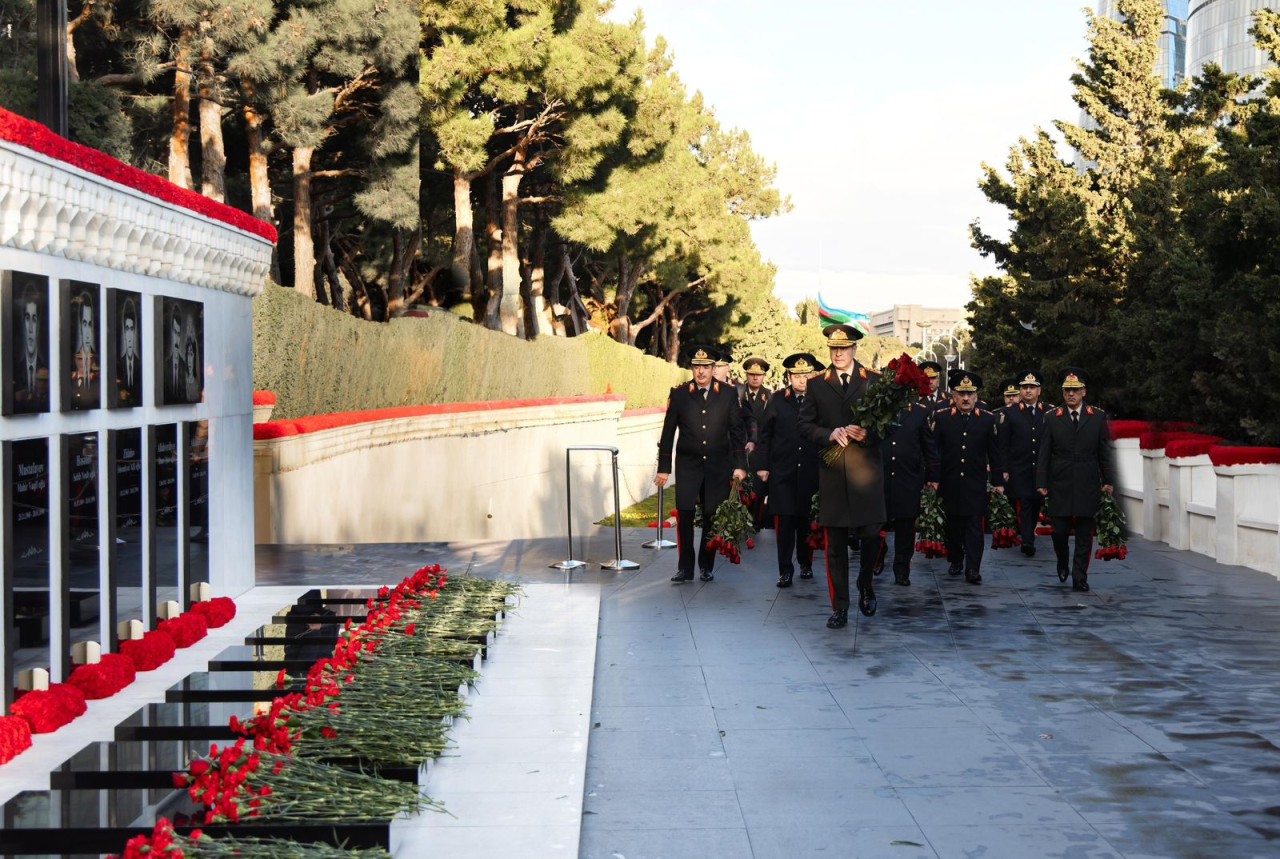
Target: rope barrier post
[[617, 563], [568, 563], [659, 543]]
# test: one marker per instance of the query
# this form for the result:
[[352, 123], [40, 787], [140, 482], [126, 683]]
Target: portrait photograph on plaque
[[81, 346], [25, 302], [124, 349], [179, 351]]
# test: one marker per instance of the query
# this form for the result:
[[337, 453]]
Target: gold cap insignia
[[930, 372], [965, 385], [1072, 381], [801, 366], [1030, 380]]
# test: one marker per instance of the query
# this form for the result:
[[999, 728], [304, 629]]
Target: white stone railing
[[454, 472], [57, 209], [1228, 512]]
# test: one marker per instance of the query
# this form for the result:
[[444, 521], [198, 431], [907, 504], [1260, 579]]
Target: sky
[[878, 115]]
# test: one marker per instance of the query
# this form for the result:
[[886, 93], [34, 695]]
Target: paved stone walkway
[[1014, 719]]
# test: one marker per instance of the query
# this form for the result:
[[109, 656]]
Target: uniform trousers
[[684, 541], [904, 545], [793, 538], [1028, 510], [1079, 565], [867, 540], [965, 541]]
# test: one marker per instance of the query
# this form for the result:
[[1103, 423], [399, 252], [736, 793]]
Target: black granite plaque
[[179, 342], [81, 346], [26, 359], [124, 349]]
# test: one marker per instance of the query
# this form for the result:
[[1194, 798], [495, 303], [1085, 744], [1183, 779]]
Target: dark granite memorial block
[[164, 516], [24, 362], [80, 550], [196, 498], [179, 343], [124, 349], [26, 562], [81, 346]]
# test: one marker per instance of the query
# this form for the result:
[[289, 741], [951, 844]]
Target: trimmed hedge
[[318, 361]]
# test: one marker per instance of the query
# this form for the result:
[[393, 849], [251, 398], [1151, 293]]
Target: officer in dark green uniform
[[1020, 437], [754, 396]]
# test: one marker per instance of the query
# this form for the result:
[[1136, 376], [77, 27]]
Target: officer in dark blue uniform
[[703, 426], [1075, 467], [754, 396], [907, 449], [788, 461], [968, 456], [1020, 437], [940, 398]]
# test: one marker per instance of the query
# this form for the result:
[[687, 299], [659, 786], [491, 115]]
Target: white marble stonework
[[66, 223]]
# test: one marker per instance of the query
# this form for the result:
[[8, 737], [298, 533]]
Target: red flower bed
[[105, 678], [15, 737], [47, 710], [186, 629], [264, 398], [1223, 455], [151, 651], [1158, 439], [316, 423], [37, 138], [217, 612], [1184, 447], [1128, 429]]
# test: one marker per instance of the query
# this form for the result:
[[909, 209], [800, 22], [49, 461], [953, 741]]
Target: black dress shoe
[[784, 580], [867, 603], [1083, 587], [806, 573], [682, 577], [899, 579], [973, 577], [954, 570], [1063, 572], [706, 576], [838, 618]]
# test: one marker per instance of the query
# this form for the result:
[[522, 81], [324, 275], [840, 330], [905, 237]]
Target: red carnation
[[151, 651], [47, 710], [15, 737]]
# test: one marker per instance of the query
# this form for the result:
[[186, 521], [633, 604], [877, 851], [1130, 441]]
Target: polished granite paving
[[1013, 719], [620, 715]]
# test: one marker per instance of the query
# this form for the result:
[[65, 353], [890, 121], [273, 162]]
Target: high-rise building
[[1218, 32], [1171, 64]]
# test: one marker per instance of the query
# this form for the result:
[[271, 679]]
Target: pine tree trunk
[[259, 176], [213, 153], [304, 249], [180, 135], [510, 306], [577, 309], [629, 275], [493, 228], [464, 233]]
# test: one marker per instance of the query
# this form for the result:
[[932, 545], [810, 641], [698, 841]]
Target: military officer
[[967, 457], [788, 462], [1074, 466], [939, 398], [704, 426], [907, 448], [720, 371], [1009, 391], [850, 491], [753, 397], [1020, 444]]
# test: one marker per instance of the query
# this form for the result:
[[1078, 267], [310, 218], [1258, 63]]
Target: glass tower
[[1218, 32], [1171, 64]]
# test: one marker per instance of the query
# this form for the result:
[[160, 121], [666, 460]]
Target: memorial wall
[[126, 390]]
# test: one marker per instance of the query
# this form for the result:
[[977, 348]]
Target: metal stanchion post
[[659, 543], [617, 563], [568, 563]]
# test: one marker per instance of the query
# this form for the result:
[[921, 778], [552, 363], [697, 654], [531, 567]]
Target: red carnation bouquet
[[817, 538], [931, 526], [186, 629], [1002, 521], [900, 384], [1110, 526], [151, 651], [49, 709], [217, 612], [731, 526], [15, 737], [104, 678]]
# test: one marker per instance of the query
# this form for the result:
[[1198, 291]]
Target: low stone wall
[[1229, 512], [462, 471]]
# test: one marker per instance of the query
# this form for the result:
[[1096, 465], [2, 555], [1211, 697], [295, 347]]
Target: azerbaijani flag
[[829, 314]]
